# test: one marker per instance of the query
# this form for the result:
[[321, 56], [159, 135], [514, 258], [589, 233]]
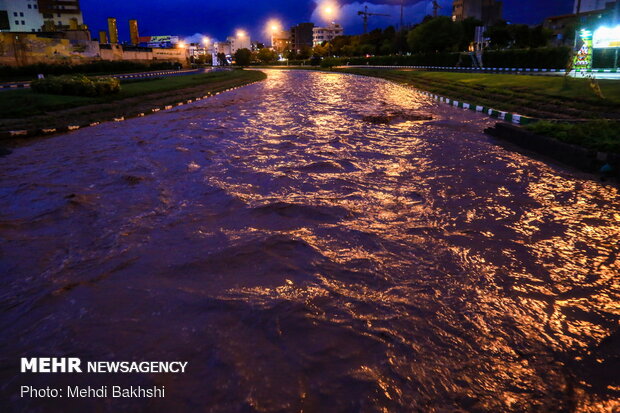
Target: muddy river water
[[303, 258]]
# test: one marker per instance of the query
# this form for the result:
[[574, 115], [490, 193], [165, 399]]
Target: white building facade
[[20, 16], [326, 34], [240, 41], [40, 15], [222, 47]]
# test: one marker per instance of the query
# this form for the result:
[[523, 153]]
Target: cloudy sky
[[220, 18]]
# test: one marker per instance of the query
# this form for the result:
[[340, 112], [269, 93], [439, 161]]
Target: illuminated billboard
[[160, 41], [606, 37], [583, 58]]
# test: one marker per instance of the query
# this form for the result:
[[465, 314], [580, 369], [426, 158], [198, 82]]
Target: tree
[[468, 27], [339, 43], [438, 34], [267, 56], [243, 57], [540, 37], [347, 50], [367, 49], [320, 50], [518, 36], [304, 52], [400, 41], [387, 48], [290, 54], [221, 59], [499, 34]]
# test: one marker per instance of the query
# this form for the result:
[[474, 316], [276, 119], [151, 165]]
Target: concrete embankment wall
[[75, 47]]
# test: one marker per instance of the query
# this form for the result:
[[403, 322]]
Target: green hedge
[[543, 58], [291, 62], [435, 59], [102, 66], [605, 58], [77, 85]]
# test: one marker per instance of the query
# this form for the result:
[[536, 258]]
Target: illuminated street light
[[240, 33], [181, 45], [273, 28], [206, 41], [329, 10]]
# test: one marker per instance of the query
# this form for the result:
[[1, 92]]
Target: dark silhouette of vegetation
[[77, 85], [221, 59], [243, 57], [99, 67], [266, 56], [432, 35]]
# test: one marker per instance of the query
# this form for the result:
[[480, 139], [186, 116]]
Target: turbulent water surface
[[308, 245]]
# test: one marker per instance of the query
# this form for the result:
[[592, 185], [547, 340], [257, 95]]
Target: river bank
[[25, 113], [552, 97]]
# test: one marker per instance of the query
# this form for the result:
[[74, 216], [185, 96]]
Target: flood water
[[302, 258]]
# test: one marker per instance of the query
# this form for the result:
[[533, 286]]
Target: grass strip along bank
[[26, 110], [552, 98]]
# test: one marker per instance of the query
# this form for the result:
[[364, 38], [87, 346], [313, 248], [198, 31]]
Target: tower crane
[[366, 14]]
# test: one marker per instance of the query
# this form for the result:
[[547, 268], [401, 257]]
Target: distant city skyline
[[219, 19]]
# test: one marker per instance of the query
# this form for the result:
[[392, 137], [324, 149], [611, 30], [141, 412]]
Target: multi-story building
[[20, 16], [593, 5], [61, 14], [326, 34], [302, 36], [240, 41], [281, 40], [563, 27], [487, 11], [40, 15], [222, 47]]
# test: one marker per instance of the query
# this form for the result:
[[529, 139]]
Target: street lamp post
[[274, 28], [206, 42], [329, 12]]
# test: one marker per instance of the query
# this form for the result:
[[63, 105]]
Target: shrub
[[427, 59], [100, 66], [600, 135], [243, 57], [541, 58], [604, 58], [77, 85], [544, 58]]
